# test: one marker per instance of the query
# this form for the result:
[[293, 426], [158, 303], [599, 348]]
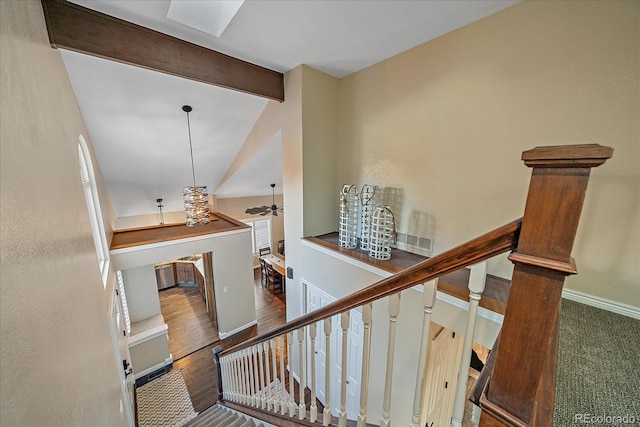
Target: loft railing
[[541, 244]]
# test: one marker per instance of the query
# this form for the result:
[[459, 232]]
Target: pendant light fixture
[[196, 199], [160, 206]]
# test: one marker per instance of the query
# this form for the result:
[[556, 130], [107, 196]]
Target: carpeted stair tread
[[207, 417], [238, 422], [220, 419], [218, 416]]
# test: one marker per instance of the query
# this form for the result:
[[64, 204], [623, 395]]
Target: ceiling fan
[[264, 210]]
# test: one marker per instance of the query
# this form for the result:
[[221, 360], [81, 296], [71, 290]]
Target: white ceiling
[[134, 116]]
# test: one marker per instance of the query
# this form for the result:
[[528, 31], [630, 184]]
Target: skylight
[[210, 16]]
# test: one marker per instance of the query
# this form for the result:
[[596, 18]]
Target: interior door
[[210, 295], [441, 374], [119, 336], [354, 364], [316, 298]]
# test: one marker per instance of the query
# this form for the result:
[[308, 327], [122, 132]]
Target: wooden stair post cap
[[563, 156]]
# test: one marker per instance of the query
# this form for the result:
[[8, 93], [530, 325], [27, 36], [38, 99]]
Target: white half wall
[[232, 270]]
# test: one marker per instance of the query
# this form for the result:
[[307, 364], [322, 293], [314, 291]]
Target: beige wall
[[134, 221], [141, 289], [292, 183], [319, 149], [57, 362], [235, 207], [444, 125]]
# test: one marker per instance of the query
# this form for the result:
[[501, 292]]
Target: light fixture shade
[[196, 205]]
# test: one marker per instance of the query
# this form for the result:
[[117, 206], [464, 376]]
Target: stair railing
[[541, 243]]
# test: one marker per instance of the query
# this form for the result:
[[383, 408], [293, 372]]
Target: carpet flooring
[[598, 376], [165, 402]]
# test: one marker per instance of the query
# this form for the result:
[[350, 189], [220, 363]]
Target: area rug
[[165, 402]]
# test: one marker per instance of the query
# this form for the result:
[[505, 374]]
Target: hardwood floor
[[185, 313], [182, 310]]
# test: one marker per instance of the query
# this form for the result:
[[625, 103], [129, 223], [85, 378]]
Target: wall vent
[[415, 244]]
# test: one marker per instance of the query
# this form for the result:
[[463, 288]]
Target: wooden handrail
[[488, 245]]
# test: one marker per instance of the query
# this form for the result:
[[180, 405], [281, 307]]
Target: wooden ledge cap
[[567, 156], [550, 264]]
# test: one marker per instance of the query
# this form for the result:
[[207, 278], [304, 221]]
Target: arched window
[[93, 206]]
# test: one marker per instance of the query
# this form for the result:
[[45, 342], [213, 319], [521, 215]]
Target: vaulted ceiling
[[134, 116]]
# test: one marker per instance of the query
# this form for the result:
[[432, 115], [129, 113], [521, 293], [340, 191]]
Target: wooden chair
[[274, 279], [264, 251], [263, 272]]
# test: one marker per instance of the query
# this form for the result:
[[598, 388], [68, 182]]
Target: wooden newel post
[[216, 360], [516, 395]]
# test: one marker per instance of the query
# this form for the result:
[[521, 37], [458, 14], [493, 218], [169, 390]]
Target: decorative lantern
[[348, 217], [383, 233], [368, 205]]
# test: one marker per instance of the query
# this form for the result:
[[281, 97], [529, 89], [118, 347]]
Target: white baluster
[[477, 279], [428, 299], [230, 384], [239, 383], [366, 363], [228, 388], [394, 310], [313, 408], [267, 390], [252, 385], [283, 403], [245, 377], [342, 415], [234, 376], [222, 377], [292, 403], [224, 370], [302, 405], [326, 415], [238, 376], [263, 394], [227, 385], [256, 375], [274, 369]]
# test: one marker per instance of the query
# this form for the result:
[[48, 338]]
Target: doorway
[[188, 303]]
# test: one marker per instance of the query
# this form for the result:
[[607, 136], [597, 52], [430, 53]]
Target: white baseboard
[[168, 361], [604, 304], [224, 335], [295, 374]]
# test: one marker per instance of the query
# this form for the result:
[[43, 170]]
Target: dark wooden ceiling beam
[[77, 28]]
